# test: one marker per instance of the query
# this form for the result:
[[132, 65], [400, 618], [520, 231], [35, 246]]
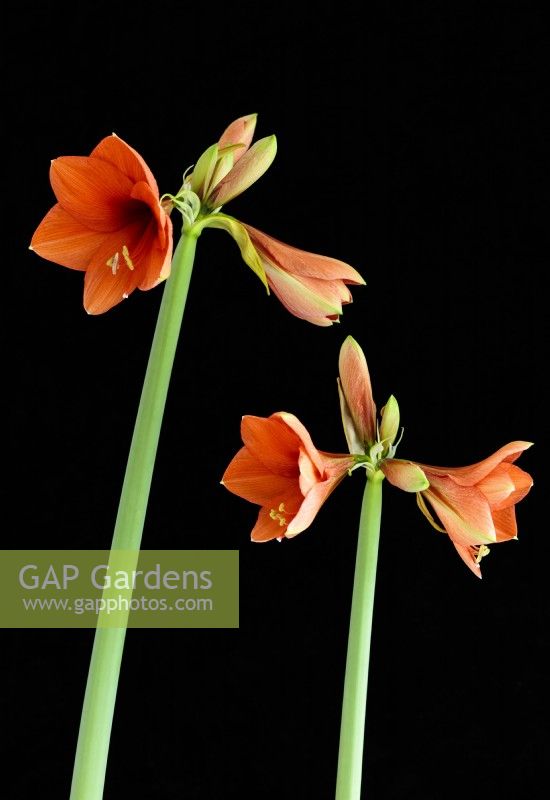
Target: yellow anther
[[482, 552], [277, 515], [113, 263], [126, 255]]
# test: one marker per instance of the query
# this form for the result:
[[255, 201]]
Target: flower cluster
[[280, 469], [110, 222]]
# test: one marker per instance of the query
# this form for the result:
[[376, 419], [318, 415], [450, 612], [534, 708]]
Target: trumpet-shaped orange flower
[[108, 222], [310, 286], [475, 505], [281, 470]]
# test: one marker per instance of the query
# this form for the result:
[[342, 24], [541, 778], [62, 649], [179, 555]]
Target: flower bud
[[389, 424]]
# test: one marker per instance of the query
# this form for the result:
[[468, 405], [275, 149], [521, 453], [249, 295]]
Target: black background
[[412, 146]]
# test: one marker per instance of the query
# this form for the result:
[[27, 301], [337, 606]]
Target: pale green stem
[[99, 701], [350, 756]]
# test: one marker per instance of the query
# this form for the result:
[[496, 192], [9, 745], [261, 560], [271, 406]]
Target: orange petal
[[505, 485], [463, 511], [469, 476], [266, 528], [311, 505], [301, 431], [404, 474], [63, 239], [309, 475], [334, 293], [142, 192], [118, 153], [249, 478], [241, 131], [505, 524], [300, 262], [336, 464], [93, 191], [469, 555], [273, 443], [356, 386], [149, 259], [299, 299], [105, 285]]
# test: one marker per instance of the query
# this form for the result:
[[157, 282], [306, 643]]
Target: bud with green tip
[[389, 424]]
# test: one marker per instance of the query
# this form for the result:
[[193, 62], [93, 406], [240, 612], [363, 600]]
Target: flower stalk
[[350, 756], [99, 701]]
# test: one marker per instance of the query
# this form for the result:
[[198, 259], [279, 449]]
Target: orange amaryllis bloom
[[310, 286], [108, 221], [281, 470], [475, 505]]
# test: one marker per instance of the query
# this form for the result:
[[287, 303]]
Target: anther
[[113, 263]]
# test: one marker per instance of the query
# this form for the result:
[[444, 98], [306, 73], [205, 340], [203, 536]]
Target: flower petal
[[463, 511], [272, 443], [404, 474], [309, 475], [63, 239], [505, 523], [469, 476], [241, 131], [267, 528], [299, 299], [250, 479], [143, 192], [356, 386], [311, 505], [115, 270], [246, 171], [355, 445], [469, 555], [302, 433], [93, 191], [302, 263], [505, 485], [118, 153]]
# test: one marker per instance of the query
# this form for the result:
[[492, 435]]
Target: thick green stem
[[350, 757], [99, 701]]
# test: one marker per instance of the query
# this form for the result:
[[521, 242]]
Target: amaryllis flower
[[108, 221], [281, 470], [475, 505], [310, 286]]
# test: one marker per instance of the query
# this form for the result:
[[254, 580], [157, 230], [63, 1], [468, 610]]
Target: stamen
[[424, 508], [127, 258], [278, 515], [113, 263], [482, 551]]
